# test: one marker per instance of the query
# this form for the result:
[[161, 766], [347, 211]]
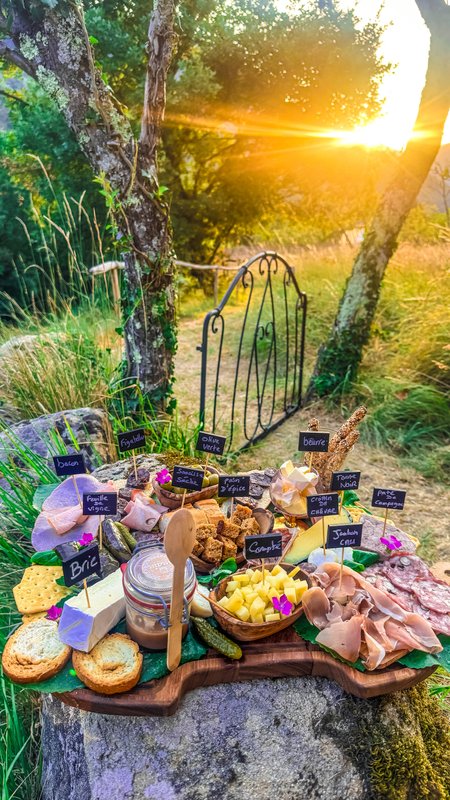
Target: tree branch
[[12, 96], [9, 53], [433, 13], [159, 48]]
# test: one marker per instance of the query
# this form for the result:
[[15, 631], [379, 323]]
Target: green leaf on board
[[41, 494], [47, 558]]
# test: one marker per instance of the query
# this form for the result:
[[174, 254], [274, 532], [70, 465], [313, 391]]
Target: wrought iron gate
[[252, 353]]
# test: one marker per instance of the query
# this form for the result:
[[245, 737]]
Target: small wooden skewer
[[87, 596], [101, 533], [184, 498], [76, 489], [135, 467], [310, 461], [342, 568], [385, 521], [293, 535], [323, 537], [262, 570], [341, 498]]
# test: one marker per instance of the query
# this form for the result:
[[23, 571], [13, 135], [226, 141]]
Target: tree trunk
[[52, 45], [338, 360]]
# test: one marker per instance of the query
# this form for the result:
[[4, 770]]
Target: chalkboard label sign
[[131, 440], [234, 485], [344, 535], [82, 564], [187, 478], [100, 503], [69, 465], [322, 505], [388, 498], [267, 546], [210, 443], [314, 441], [344, 480]]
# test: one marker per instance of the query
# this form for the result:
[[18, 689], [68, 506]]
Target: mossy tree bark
[[338, 360], [50, 43]]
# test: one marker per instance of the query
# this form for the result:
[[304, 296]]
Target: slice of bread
[[114, 665], [34, 652]]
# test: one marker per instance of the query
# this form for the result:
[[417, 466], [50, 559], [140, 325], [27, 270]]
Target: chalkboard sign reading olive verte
[[389, 498], [267, 546], [323, 505], [344, 535], [340, 481], [187, 478], [80, 565], [210, 443], [313, 441], [234, 485], [69, 465], [131, 440], [100, 503]]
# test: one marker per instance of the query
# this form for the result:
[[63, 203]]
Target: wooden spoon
[[179, 539]]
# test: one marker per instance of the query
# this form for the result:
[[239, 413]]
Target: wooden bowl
[[252, 631], [172, 500]]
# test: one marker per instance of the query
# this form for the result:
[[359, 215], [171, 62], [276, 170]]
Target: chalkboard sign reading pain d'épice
[[131, 440], [344, 535], [187, 478], [81, 564], [267, 546], [69, 465], [313, 441], [322, 505], [210, 443], [389, 498], [234, 485], [100, 503]]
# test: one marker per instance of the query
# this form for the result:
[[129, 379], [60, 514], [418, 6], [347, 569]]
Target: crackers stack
[[38, 590]]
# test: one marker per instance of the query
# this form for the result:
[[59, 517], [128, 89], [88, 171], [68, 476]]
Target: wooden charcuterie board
[[279, 656]]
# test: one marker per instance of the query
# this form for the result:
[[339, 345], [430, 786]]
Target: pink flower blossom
[[163, 476], [283, 605], [391, 542], [86, 539], [54, 613]]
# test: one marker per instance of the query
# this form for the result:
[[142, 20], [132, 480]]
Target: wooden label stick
[[87, 596], [310, 461], [342, 567], [184, 498], [262, 569], [135, 467], [206, 464], [232, 507], [324, 537], [341, 500], [76, 489], [385, 521], [101, 533]]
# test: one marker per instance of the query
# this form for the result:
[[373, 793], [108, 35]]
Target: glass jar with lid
[[147, 584]]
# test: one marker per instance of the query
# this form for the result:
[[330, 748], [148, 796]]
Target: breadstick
[[336, 459], [348, 426]]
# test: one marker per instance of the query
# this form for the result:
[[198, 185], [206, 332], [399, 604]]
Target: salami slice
[[439, 622], [433, 595], [403, 571], [404, 598]]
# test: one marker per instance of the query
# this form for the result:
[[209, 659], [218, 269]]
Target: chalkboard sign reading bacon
[[210, 443], [313, 441], [82, 564], [322, 505], [187, 478], [344, 535], [100, 503], [69, 465], [267, 546], [131, 440], [234, 485], [388, 498], [344, 480]]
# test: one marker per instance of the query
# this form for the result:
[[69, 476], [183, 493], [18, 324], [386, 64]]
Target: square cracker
[[38, 590]]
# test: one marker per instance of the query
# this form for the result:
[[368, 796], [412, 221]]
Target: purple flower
[[86, 539], [163, 476], [54, 613], [283, 605], [391, 542]]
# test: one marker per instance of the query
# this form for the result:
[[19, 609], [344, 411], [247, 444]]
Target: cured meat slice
[[439, 622], [433, 595], [343, 637], [372, 531], [403, 571], [404, 598]]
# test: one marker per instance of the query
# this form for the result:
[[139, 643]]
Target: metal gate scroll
[[252, 353]]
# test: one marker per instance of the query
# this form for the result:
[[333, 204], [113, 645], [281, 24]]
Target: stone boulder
[[271, 739]]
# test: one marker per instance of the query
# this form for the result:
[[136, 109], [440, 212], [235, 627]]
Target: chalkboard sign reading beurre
[[313, 441]]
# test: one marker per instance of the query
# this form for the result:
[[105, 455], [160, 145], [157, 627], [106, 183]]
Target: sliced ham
[[439, 622], [344, 637], [142, 514], [316, 606], [65, 519]]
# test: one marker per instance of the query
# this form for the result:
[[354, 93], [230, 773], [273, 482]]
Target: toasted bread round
[[35, 652], [114, 665]]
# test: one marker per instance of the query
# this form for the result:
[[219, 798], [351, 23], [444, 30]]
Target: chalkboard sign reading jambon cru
[[344, 535]]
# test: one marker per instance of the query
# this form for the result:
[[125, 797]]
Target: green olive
[[205, 482], [213, 479]]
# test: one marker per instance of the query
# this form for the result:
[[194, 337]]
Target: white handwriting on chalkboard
[[89, 565], [314, 441], [258, 549], [126, 441]]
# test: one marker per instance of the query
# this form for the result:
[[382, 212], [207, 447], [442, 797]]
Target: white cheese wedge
[[82, 627]]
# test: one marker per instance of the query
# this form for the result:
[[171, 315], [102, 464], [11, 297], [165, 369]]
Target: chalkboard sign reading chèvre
[[340, 481], [210, 443], [344, 535], [187, 478], [81, 564], [267, 546], [313, 441], [100, 503], [234, 485], [389, 498], [131, 440], [323, 505], [72, 464]]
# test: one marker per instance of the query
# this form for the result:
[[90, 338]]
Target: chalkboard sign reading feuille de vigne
[[187, 478], [344, 480], [322, 505], [80, 565], [344, 535], [210, 443], [131, 440], [234, 485], [388, 498], [100, 503], [69, 465], [313, 441], [267, 546]]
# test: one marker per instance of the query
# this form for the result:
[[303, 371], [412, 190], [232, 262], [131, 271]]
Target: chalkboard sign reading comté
[[210, 443], [187, 478], [82, 564], [344, 480], [69, 465], [100, 503], [322, 505], [388, 498], [344, 535], [313, 441], [267, 546], [131, 440], [234, 485]]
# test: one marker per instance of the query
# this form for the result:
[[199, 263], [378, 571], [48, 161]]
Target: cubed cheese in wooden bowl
[[242, 603]]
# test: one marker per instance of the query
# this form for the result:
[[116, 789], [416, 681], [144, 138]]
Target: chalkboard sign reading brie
[[322, 505], [313, 441], [388, 498], [100, 503], [267, 546], [344, 480], [187, 478], [210, 443], [82, 564], [234, 485], [131, 440], [344, 535], [69, 465]]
